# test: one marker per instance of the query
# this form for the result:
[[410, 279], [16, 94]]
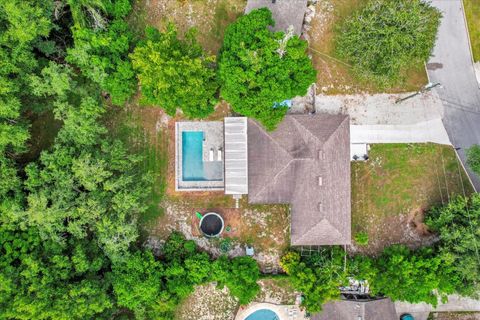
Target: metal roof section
[[236, 155]]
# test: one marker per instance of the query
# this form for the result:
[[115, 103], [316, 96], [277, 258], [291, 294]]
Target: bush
[[254, 76], [361, 238], [386, 37], [473, 158]]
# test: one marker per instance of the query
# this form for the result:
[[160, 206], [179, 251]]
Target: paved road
[[451, 65]]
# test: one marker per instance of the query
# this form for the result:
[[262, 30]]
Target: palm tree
[[86, 12]]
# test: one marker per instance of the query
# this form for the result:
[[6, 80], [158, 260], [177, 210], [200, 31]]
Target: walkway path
[[451, 65]]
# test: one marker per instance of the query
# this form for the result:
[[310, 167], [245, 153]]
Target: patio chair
[[210, 155]]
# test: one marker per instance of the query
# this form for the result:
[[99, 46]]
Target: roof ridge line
[[316, 224], [276, 175], [341, 123], [271, 138], [306, 129]]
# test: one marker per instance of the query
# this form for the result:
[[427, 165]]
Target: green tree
[[175, 73], [458, 224], [102, 53], [318, 277], [45, 280], [412, 276], [473, 158], [255, 76], [387, 37], [137, 282]]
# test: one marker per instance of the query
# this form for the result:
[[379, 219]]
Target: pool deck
[[213, 140], [284, 312]]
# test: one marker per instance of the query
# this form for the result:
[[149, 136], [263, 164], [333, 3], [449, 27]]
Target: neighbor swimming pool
[[263, 314], [192, 156]]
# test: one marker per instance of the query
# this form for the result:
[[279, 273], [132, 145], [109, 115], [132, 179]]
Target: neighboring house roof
[[382, 309], [285, 12], [305, 162]]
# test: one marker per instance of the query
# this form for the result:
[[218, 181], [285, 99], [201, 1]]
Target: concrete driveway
[[452, 66], [378, 119]]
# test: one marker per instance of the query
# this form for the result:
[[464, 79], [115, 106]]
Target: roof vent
[[320, 181], [321, 155], [320, 207]]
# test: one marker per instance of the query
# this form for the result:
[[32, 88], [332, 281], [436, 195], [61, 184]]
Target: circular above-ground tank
[[211, 224]]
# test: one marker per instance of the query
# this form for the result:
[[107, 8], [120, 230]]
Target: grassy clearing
[[472, 12], [392, 190], [210, 18], [334, 76], [138, 128]]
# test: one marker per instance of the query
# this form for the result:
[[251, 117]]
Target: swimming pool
[[263, 314], [192, 155]]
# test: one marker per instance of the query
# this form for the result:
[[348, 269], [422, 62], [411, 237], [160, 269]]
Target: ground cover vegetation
[[386, 37], [69, 234], [473, 158], [472, 13], [427, 274]]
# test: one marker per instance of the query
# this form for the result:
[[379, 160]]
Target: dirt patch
[[454, 316], [276, 290], [209, 17], [208, 302]]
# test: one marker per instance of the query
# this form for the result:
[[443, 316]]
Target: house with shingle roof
[[305, 162], [381, 309]]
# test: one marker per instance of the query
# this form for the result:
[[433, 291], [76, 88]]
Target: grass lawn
[[334, 76], [472, 11], [393, 189], [139, 128], [210, 18]]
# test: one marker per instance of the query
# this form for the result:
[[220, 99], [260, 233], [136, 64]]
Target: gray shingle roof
[[305, 162], [284, 12], [382, 309]]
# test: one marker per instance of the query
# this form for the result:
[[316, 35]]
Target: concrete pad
[[427, 131]]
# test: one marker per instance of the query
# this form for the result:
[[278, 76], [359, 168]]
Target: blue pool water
[[263, 314], [192, 156]]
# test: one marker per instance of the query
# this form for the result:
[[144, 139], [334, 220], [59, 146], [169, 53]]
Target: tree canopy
[[458, 224], [256, 75], [386, 37], [175, 73]]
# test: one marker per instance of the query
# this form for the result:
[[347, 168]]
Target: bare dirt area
[[276, 290], [334, 75], [209, 17], [454, 316], [208, 302], [393, 190]]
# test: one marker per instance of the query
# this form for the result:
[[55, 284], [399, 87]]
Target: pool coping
[[204, 185], [280, 309]]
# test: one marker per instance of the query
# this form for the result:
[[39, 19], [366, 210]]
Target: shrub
[[361, 238], [387, 37]]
